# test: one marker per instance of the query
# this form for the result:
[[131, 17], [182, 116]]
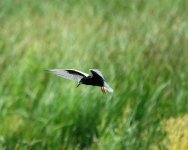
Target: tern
[[96, 79]]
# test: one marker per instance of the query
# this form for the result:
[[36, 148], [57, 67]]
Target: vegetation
[[141, 48], [177, 131]]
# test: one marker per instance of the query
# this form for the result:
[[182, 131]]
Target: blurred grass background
[[140, 46]]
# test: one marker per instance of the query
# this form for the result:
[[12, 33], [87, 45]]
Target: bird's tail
[[108, 88]]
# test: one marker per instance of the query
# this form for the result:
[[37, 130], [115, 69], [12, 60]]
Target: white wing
[[97, 72], [74, 71], [69, 74]]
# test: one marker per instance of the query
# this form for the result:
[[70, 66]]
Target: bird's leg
[[103, 90]]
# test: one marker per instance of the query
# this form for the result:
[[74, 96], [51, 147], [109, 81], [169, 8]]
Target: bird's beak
[[78, 85]]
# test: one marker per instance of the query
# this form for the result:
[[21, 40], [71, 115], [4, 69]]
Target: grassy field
[[141, 46]]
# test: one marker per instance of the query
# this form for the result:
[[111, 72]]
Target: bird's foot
[[103, 90]]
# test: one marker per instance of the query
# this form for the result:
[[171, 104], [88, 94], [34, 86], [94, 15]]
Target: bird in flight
[[96, 79]]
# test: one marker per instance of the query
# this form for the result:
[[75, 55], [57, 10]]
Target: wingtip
[[46, 70], [49, 70]]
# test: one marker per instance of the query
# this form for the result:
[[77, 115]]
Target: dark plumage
[[96, 79]]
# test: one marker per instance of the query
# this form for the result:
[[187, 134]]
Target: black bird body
[[92, 80], [96, 79]]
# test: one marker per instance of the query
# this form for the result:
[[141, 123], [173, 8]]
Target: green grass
[[141, 48]]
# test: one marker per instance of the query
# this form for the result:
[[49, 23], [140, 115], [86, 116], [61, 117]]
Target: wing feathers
[[70, 74], [77, 72], [97, 73]]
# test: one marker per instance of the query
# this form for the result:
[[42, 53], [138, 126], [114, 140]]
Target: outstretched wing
[[71, 74], [97, 72]]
